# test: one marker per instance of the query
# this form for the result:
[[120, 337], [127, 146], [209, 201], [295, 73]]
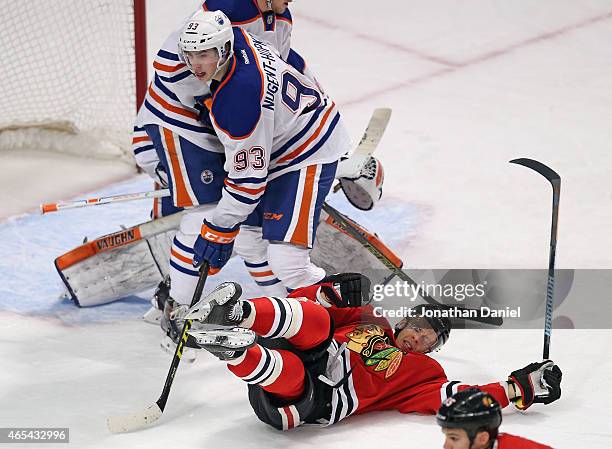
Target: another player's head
[[469, 420], [278, 6], [425, 330], [207, 43]]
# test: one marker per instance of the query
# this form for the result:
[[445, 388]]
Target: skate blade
[[152, 316], [226, 339], [189, 354]]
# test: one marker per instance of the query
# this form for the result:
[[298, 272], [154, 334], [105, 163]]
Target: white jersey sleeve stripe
[[144, 151], [172, 108], [244, 193], [169, 69], [300, 149]]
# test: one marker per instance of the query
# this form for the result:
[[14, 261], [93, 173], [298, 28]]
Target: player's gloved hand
[[204, 117], [161, 177], [344, 290], [214, 244], [538, 382]]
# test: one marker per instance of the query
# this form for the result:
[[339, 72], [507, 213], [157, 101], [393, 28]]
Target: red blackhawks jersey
[[507, 441], [369, 372]]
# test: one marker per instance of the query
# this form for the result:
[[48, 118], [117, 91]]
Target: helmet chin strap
[[269, 4]]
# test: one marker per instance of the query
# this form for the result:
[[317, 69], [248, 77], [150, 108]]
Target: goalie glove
[[344, 290], [538, 382], [365, 189]]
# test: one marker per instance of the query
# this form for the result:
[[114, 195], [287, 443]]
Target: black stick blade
[[542, 169]]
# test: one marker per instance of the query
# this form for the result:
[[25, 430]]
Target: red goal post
[[73, 75]]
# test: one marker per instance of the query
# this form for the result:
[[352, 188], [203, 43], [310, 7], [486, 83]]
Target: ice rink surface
[[472, 85]]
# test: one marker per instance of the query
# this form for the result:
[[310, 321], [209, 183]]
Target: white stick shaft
[[367, 145], [54, 207]]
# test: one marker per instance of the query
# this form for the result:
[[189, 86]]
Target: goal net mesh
[[68, 76]]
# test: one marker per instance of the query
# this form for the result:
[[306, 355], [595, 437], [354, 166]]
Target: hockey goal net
[[73, 72]]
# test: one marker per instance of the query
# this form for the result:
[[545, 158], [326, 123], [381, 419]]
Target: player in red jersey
[[322, 355], [470, 420]]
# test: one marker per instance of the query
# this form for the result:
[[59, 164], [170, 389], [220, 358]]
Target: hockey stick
[[149, 415], [355, 231], [373, 132], [368, 143], [370, 139], [54, 207], [555, 180]]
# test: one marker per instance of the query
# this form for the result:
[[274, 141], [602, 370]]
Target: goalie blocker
[[133, 260]]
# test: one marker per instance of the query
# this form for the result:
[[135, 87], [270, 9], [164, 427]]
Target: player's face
[[417, 336], [455, 439], [203, 63]]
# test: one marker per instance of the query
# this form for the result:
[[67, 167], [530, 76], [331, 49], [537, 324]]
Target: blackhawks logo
[[372, 344]]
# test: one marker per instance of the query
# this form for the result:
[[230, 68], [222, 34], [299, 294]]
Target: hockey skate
[[226, 344], [161, 295], [172, 321], [221, 307]]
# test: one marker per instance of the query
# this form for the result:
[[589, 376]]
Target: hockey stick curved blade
[[542, 169], [134, 421], [146, 417]]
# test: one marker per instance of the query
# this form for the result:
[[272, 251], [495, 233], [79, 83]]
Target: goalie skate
[[161, 295], [172, 321]]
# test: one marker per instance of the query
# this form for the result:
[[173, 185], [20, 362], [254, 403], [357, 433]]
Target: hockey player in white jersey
[[172, 123], [173, 132], [175, 143], [282, 138]]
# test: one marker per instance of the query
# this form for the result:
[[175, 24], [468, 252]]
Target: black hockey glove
[[538, 382], [204, 117], [346, 289], [161, 175]]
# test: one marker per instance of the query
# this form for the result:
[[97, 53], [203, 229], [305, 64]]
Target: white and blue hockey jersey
[[271, 119], [170, 100]]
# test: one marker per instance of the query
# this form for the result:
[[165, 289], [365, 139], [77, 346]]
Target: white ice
[[472, 85]]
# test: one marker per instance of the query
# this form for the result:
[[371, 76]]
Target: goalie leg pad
[[130, 261], [338, 252], [118, 265]]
